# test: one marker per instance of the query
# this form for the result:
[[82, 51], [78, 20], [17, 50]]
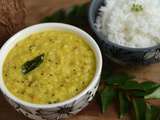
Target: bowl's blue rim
[[92, 24]]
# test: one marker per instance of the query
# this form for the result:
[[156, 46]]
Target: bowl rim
[[102, 37], [90, 41]]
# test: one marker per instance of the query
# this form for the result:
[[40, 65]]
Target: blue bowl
[[121, 54]]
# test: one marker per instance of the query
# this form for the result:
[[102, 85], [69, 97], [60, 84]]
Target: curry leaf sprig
[[130, 96]]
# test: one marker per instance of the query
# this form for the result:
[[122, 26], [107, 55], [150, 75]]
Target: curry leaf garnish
[[149, 85], [154, 95], [118, 79], [152, 113], [123, 105], [130, 94], [132, 85], [136, 93], [32, 64], [107, 96], [139, 107]]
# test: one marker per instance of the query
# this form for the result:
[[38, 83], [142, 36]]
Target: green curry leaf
[[136, 93], [132, 85], [107, 96], [32, 64], [154, 95], [123, 105], [152, 113], [118, 79], [139, 107], [149, 85]]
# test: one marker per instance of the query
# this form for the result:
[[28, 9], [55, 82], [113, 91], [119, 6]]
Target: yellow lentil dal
[[68, 67]]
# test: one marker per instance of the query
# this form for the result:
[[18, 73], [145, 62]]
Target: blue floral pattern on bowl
[[56, 113]]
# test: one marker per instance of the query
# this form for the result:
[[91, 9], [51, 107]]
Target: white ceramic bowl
[[58, 110]]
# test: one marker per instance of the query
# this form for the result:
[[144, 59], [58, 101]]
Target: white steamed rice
[[125, 27]]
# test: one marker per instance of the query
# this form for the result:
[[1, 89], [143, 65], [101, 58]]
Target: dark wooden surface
[[36, 10]]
